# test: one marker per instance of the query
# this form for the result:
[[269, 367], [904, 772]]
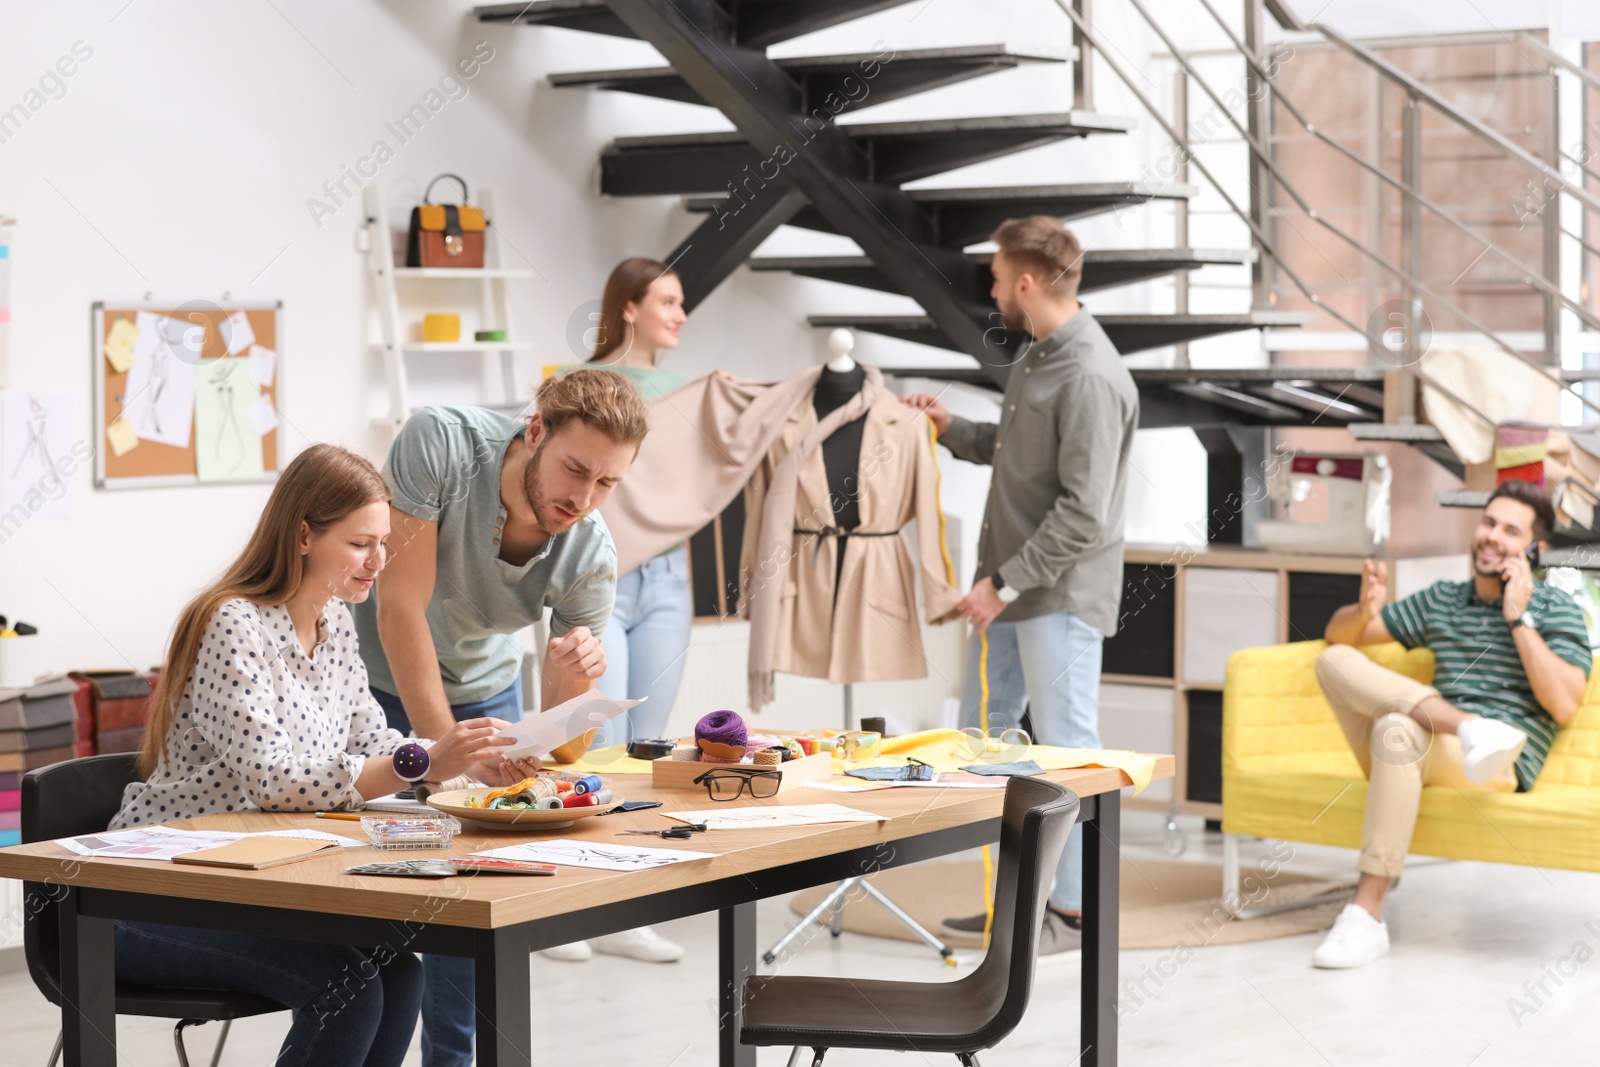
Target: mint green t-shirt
[[444, 467], [652, 382]]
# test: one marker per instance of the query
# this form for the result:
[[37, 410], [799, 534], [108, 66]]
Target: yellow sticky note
[[119, 347], [122, 436]]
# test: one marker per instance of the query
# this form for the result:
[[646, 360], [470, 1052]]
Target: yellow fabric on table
[[613, 759], [938, 749]]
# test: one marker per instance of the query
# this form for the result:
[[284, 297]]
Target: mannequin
[[842, 378]]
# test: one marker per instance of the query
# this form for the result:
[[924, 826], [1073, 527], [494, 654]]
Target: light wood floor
[[1466, 938]]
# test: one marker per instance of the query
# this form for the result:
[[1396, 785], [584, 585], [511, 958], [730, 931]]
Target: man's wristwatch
[[1525, 619], [1006, 594]]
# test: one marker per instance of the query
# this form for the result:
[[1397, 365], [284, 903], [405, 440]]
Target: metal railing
[[1408, 185]]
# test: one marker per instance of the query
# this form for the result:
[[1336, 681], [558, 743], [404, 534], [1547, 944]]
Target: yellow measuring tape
[[983, 718]]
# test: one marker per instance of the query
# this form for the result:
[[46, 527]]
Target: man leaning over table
[[1511, 660], [1050, 550], [494, 520]]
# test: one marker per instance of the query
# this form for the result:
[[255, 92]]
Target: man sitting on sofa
[[1511, 660]]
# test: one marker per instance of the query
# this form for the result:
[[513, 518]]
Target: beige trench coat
[[871, 632]]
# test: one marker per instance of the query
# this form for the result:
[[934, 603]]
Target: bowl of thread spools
[[546, 802]]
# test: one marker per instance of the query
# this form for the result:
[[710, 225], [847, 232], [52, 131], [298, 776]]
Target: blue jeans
[[449, 1004], [352, 1007], [647, 644], [1049, 666]]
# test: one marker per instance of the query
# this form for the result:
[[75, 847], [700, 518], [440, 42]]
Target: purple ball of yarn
[[723, 728]]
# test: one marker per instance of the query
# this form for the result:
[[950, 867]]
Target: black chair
[[81, 796], [963, 1017]]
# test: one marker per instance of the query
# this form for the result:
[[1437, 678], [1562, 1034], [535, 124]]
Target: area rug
[[1164, 904]]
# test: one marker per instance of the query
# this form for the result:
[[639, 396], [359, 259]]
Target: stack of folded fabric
[[10, 808], [1571, 472], [37, 729], [113, 707]]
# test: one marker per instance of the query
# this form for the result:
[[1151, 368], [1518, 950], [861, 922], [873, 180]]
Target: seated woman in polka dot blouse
[[263, 704]]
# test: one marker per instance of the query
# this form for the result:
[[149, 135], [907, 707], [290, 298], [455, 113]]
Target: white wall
[[180, 158]]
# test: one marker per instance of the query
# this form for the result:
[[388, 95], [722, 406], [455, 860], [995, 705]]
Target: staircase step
[[1321, 396], [1130, 333], [714, 162], [834, 84], [1103, 268], [758, 23], [964, 217]]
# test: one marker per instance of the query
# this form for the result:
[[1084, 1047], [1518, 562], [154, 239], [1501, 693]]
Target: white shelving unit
[[400, 312]]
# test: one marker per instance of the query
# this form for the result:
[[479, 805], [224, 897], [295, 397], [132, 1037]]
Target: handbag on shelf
[[446, 235]]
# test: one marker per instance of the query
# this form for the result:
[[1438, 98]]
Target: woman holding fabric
[[263, 705]]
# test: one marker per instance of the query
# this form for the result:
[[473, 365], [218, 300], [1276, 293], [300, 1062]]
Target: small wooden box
[[680, 774]]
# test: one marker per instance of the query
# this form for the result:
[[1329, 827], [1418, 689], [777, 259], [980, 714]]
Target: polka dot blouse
[[261, 725]]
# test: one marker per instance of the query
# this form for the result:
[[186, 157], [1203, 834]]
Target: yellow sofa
[[1288, 773]]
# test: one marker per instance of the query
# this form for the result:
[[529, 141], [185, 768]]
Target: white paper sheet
[[165, 842], [732, 817], [539, 735], [602, 856], [35, 448], [263, 365], [160, 390], [240, 333], [263, 416]]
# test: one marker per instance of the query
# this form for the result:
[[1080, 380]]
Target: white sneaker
[[641, 944], [576, 952], [1355, 940], [1488, 747]]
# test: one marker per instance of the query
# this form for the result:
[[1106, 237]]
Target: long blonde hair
[[320, 487]]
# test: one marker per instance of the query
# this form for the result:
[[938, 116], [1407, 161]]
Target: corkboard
[[153, 463]]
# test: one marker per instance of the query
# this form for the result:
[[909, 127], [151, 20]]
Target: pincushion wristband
[[411, 761]]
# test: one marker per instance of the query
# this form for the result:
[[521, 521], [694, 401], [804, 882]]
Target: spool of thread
[[722, 737], [807, 745], [603, 797], [563, 787], [425, 790], [577, 800], [542, 788], [589, 783], [550, 803], [875, 724], [767, 757], [685, 755]]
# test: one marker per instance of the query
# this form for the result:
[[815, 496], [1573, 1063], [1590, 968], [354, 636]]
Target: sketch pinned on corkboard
[[187, 395]]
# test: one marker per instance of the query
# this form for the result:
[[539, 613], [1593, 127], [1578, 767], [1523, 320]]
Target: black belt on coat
[[836, 531]]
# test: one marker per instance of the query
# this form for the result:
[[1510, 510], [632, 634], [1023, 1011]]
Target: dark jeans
[[449, 1006], [352, 1007]]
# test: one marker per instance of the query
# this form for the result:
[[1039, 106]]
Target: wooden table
[[499, 921]]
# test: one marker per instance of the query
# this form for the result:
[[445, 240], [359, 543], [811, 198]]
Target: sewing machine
[[1356, 488]]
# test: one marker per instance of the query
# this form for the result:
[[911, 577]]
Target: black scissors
[[681, 832]]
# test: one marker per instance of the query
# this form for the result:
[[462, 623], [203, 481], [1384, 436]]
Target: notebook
[[257, 853]]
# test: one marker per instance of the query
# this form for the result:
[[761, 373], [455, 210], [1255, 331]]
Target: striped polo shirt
[[1475, 662]]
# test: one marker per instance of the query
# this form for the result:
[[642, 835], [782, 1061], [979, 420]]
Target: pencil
[[353, 816]]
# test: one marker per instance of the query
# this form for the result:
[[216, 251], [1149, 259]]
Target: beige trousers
[[1397, 753]]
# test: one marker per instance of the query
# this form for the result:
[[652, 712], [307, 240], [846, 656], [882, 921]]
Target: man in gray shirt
[[494, 520], [1049, 575]]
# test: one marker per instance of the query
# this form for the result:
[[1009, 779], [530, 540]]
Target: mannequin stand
[[835, 899]]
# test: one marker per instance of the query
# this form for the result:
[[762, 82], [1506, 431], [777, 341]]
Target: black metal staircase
[[788, 162]]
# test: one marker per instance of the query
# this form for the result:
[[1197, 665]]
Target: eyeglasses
[[1005, 745], [730, 783]]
